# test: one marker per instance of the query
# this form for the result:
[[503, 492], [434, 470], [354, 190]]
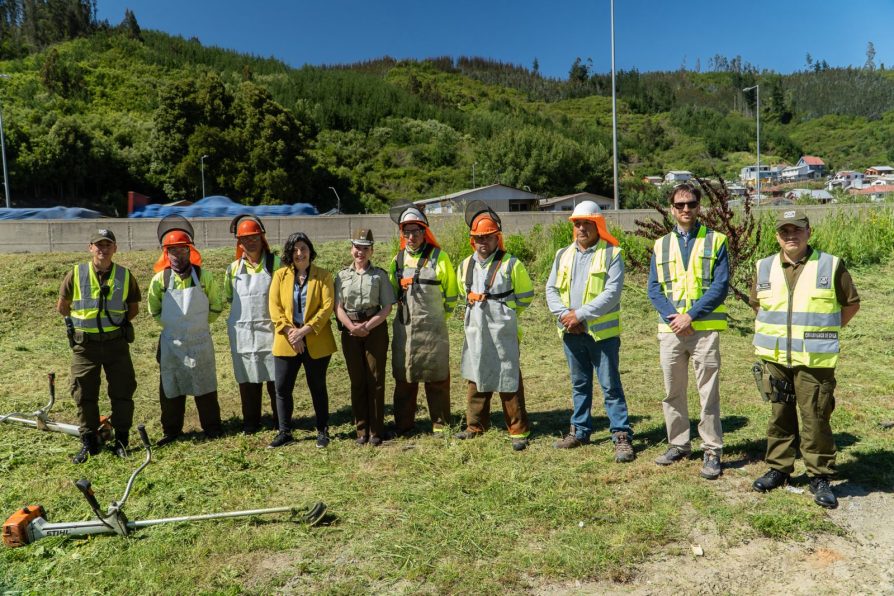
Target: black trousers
[[285, 371], [252, 396]]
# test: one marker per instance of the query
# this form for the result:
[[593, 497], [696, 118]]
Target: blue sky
[[650, 35]]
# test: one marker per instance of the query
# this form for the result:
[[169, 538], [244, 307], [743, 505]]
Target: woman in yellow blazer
[[301, 302]]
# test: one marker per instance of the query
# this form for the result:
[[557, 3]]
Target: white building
[[569, 202], [677, 176], [498, 197], [846, 179]]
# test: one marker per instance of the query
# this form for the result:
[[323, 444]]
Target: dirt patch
[[860, 562]]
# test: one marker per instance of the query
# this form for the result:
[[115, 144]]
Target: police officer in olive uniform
[[98, 300], [802, 297], [363, 300]]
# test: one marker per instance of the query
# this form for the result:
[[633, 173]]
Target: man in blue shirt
[[688, 282]]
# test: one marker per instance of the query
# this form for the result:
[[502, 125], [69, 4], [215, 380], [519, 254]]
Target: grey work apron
[[490, 349], [249, 327], [187, 352], [421, 348]]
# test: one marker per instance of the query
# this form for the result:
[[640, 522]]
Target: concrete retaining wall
[[135, 234]]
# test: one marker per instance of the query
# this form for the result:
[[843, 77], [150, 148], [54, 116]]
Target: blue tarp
[[50, 213], [219, 206]]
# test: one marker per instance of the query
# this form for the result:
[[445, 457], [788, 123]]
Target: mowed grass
[[426, 514]]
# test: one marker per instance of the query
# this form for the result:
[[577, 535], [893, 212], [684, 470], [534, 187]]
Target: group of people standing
[[282, 306]]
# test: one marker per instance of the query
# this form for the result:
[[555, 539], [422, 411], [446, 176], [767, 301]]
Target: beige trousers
[[675, 352]]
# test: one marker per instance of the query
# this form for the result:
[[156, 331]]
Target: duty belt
[[104, 336], [358, 316]]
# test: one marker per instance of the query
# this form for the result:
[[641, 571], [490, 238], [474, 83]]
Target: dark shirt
[[713, 296]]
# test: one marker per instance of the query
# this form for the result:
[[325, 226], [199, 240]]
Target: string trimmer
[[29, 524], [41, 418]]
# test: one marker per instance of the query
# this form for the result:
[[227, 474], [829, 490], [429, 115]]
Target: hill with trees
[[92, 110]]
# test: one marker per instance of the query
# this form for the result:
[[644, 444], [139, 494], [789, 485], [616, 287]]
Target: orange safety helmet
[[176, 238], [248, 227]]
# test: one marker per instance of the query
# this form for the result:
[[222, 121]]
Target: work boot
[[375, 441], [119, 444], [570, 441], [467, 434], [770, 480], [623, 449], [711, 466], [89, 446], [672, 455], [281, 440], [519, 443], [822, 492]]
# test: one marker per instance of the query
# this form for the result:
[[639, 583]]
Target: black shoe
[[363, 440], [467, 434], [770, 480], [281, 440], [375, 441], [519, 444], [166, 440], [322, 440], [822, 492], [213, 434], [89, 446], [120, 449], [250, 430]]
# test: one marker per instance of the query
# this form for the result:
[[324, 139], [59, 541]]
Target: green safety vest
[[609, 324], [89, 310], [798, 326], [684, 285]]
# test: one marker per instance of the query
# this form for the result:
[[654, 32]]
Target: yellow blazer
[[318, 314]]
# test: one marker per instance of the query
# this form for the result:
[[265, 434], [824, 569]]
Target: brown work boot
[[623, 449], [570, 441]]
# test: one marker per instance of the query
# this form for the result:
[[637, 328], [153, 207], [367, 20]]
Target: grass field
[[425, 514]]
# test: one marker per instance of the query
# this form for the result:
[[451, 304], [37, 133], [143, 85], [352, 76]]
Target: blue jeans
[[584, 354]]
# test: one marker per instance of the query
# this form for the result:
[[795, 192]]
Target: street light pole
[[3, 152], [614, 115], [337, 199], [757, 89], [202, 161]]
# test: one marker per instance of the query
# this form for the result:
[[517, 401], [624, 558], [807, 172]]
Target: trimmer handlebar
[[144, 436], [87, 490]]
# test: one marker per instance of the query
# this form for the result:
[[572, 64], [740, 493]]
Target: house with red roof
[[809, 167]]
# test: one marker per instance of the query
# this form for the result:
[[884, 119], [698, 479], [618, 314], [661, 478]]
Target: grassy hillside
[[425, 514], [89, 119]]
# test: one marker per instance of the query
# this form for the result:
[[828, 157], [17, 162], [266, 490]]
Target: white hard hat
[[413, 215], [586, 209]]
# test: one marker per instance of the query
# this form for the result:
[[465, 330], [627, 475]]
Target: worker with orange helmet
[[584, 293], [497, 289], [425, 284], [184, 299], [249, 327]]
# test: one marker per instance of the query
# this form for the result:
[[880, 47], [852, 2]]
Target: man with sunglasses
[[688, 282], [425, 284], [98, 300]]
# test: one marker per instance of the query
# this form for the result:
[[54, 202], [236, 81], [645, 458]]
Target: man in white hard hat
[[425, 283], [584, 293]]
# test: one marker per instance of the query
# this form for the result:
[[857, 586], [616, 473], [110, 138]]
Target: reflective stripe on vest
[[685, 285], [609, 324], [803, 331], [89, 311]]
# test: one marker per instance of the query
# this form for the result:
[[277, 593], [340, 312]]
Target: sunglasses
[[682, 206]]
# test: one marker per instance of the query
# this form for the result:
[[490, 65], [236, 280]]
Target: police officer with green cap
[[803, 297], [363, 300], [98, 300]]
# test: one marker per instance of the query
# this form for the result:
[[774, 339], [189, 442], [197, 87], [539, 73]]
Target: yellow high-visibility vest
[[798, 326], [609, 324], [89, 309], [682, 285]]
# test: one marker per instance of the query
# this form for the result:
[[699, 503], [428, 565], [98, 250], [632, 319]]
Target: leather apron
[[421, 346]]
